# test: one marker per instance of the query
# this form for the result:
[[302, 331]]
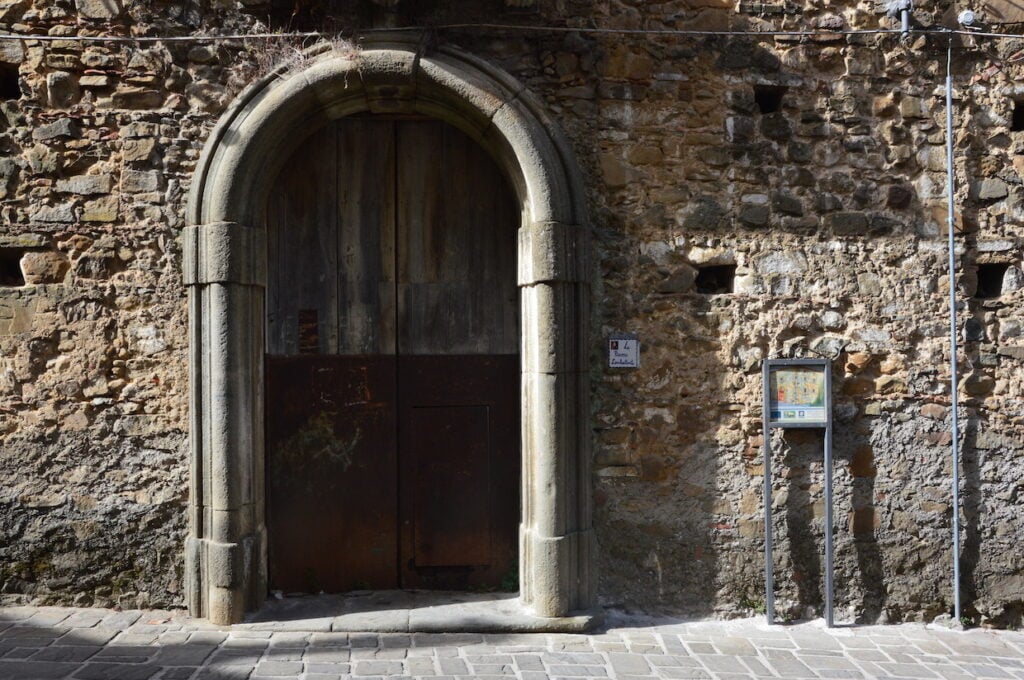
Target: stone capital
[[224, 252]]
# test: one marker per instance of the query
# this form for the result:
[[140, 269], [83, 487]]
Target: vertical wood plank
[[302, 299], [366, 236]]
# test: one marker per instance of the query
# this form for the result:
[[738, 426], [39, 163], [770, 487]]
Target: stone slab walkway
[[97, 644]]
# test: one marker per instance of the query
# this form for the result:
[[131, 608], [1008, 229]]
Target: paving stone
[[377, 668], [682, 672], [982, 671], [567, 670], [234, 657], [21, 652], [42, 670], [757, 667], [47, 618], [907, 670], [735, 646], [131, 653], [225, 672], [722, 663], [453, 666], [868, 655], [65, 653], [661, 660], [833, 662], [207, 637], [528, 662], [121, 620], [629, 664], [116, 671], [278, 668], [25, 634], [534, 675], [327, 654], [183, 655]]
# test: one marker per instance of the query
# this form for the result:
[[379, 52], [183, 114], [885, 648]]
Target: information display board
[[797, 395]]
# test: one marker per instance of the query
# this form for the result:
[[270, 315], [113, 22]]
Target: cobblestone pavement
[[97, 644]]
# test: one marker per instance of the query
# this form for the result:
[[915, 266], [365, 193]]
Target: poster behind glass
[[797, 395]]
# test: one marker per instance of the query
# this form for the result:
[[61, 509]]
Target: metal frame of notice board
[[812, 417]]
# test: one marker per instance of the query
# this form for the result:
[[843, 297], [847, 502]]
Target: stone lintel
[[224, 252]]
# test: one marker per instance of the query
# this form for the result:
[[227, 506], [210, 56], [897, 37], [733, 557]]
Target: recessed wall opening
[[716, 279], [10, 268], [990, 279], [1017, 121], [768, 98], [9, 86]]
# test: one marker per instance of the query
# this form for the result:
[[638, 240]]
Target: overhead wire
[[591, 30]]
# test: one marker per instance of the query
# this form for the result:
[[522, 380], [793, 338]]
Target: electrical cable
[[666, 32]]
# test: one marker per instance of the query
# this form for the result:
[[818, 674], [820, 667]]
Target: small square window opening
[[715, 279], [10, 268], [768, 98], [9, 86], [990, 280]]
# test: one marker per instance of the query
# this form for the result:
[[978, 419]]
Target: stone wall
[[810, 170]]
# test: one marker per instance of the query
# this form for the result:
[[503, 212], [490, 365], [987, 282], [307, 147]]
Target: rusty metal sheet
[[451, 517], [331, 466], [459, 470]]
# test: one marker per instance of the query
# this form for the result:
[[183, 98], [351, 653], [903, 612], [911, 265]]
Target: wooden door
[[392, 375]]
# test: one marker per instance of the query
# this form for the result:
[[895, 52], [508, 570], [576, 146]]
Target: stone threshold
[[411, 611]]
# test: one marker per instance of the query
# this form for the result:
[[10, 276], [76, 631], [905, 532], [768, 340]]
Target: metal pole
[[953, 389], [829, 595], [769, 577]]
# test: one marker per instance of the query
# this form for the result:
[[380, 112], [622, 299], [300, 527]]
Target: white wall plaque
[[623, 351]]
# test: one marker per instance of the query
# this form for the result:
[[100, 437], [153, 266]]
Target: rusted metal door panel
[[451, 517], [331, 467], [459, 469]]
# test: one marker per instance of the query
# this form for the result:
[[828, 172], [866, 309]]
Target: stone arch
[[225, 272]]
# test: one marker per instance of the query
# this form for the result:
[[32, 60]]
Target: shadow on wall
[[857, 551]]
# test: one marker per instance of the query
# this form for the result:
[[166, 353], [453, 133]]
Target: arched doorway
[[392, 362], [225, 269]]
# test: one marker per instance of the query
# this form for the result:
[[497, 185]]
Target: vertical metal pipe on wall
[[954, 415]]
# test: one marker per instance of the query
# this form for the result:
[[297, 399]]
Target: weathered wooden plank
[[366, 240], [302, 291], [457, 221]]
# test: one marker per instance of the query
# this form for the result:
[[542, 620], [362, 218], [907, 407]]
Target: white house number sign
[[623, 351]]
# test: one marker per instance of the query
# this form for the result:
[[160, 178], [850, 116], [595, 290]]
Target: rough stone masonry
[[749, 196]]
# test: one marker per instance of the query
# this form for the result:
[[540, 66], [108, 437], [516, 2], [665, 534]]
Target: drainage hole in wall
[[9, 86], [10, 268], [990, 279], [715, 279], [768, 98]]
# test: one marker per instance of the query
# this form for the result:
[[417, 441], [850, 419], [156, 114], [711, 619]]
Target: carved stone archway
[[225, 271]]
